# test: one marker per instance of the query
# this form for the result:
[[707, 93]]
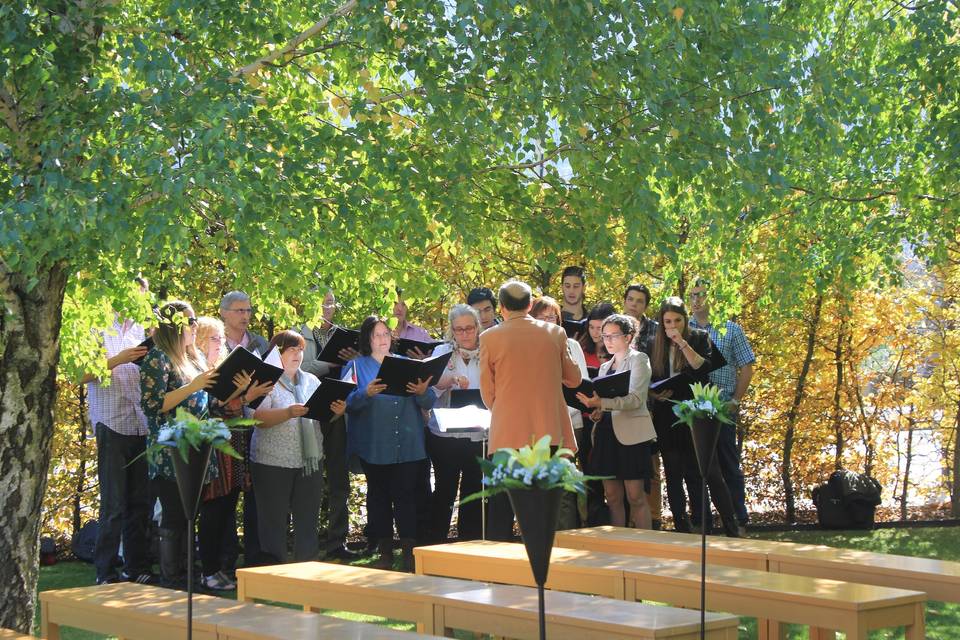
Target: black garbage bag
[[848, 500]]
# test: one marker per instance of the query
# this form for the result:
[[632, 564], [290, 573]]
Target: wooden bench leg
[[311, 609], [771, 630], [48, 629], [918, 630]]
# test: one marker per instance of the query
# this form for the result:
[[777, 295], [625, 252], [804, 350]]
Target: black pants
[[337, 483], [124, 503], [217, 516], [284, 494], [392, 497], [455, 467]]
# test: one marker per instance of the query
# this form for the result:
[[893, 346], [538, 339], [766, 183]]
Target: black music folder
[[330, 389], [612, 386], [575, 328], [397, 371], [403, 345], [593, 372], [466, 398], [242, 360], [680, 382], [148, 343], [341, 339]]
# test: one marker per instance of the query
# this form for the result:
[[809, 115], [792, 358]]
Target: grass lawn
[[943, 619]]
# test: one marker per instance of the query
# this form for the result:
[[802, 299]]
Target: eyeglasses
[[698, 295], [611, 336], [551, 318], [216, 339], [469, 329], [243, 310]]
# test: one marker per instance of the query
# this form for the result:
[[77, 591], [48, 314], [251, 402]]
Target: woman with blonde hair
[[217, 529], [174, 375]]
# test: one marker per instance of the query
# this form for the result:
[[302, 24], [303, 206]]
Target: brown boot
[[385, 551], [407, 562]]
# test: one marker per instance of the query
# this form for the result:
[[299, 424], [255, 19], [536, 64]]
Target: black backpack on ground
[[847, 500]]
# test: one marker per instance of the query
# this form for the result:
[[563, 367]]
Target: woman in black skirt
[[623, 434]]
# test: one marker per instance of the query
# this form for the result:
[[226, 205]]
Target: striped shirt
[[115, 402]]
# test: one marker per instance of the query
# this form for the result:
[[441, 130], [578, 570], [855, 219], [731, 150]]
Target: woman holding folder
[[624, 435], [285, 456], [386, 433], [174, 374], [681, 349], [454, 456]]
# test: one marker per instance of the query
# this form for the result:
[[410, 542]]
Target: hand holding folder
[[330, 390], [240, 360], [342, 343], [398, 374], [612, 386]]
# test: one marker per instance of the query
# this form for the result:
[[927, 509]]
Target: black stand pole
[[189, 579], [543, 615], [703, 556]]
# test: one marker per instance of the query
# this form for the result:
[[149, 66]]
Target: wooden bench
[[142, 612], [818, 603], [10, 633], [439, 605], [939, 579]]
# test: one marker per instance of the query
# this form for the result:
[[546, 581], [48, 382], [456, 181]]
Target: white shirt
[[279, 445], [116, 400], [456, 367], [576, 352]]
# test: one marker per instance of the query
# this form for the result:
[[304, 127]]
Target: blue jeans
[[729, 458], [124, 503]]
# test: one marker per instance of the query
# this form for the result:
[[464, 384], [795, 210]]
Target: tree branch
[[292, 45]]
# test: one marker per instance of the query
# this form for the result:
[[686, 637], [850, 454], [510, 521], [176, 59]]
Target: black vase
[[537, 511], [706, 434], [190, 474]]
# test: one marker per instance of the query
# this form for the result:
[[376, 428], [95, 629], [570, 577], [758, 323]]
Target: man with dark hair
[[636, 299], [523, 363], [733, 379], [483, 300], [335, 465], [573, 282]]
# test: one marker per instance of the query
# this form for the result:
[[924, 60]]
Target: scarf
[[309, 446], [468, 354]]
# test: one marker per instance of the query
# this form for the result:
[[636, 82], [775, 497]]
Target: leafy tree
[[368, 145]]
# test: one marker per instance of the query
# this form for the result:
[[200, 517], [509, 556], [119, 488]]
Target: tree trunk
[[838, 435], [81, 480], [955, 468], [29, 353], [904, 495], [794, 412]]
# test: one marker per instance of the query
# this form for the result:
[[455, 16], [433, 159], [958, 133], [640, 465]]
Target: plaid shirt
[[117, 403], [735, 347]]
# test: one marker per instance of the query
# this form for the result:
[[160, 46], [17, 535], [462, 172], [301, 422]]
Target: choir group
[[414, 466]]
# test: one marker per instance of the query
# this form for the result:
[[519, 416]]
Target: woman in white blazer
[[624, 433]]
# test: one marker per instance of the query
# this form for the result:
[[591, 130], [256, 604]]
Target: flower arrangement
[[532, 466], [187, 430], [705, 404]]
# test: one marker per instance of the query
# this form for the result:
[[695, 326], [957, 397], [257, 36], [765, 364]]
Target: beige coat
[[523, 363], [631, 419]]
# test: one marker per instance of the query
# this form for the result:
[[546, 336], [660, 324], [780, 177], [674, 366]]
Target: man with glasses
[[483, 300], [733, 379], [236, 311], [334, 435]]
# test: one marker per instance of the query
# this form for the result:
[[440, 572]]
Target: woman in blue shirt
[[386, 433]]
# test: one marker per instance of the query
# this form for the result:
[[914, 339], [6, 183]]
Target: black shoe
[[341, 553], [142, 578]]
